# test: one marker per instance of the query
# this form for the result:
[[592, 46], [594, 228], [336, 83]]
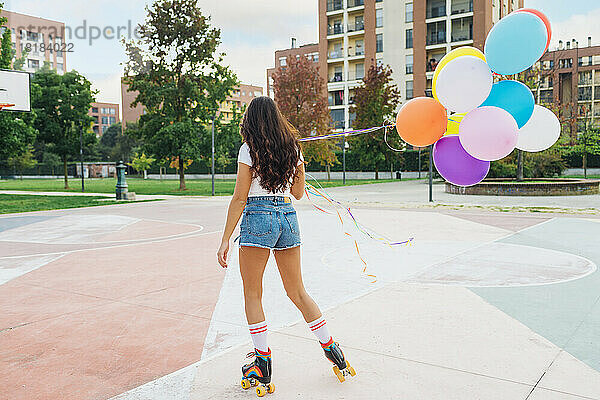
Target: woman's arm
[[297, 188], [234, 212]]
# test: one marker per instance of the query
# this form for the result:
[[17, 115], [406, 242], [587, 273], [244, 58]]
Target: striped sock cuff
[[258, 328], [325, 345], [316, 324]]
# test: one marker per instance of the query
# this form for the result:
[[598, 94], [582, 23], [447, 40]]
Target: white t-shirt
[[255, 189]]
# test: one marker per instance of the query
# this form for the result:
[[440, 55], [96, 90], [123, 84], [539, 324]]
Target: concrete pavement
[[127, 302]]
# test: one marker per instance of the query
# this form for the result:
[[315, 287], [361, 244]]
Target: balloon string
[[347, 133], [386, 142], [310, 189]]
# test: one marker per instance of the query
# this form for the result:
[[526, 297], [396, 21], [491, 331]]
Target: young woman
[[270, 171]]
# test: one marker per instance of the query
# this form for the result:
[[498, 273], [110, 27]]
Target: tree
[[299, 95], [179, 78], [375, 104], [62, 113], [142, 163], [51, 160], [587, 142], [23, 161]]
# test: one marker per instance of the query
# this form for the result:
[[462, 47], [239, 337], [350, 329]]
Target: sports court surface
[[127, 302]]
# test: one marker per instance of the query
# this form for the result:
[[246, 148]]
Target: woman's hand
[[222, 253]]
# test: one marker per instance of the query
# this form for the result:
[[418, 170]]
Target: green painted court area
[[195, 187]]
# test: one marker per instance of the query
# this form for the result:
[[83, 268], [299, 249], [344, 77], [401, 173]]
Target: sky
[[251, 31]]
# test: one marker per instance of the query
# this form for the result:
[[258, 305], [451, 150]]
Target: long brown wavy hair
[[273, 144]]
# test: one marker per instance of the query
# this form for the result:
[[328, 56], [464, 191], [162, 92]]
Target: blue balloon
[[515, 43], [514, 97]]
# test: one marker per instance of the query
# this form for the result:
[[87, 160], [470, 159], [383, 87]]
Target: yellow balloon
[[454, 54], [454, 121]]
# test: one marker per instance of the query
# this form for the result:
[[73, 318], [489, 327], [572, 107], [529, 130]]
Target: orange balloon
[[422, 121]]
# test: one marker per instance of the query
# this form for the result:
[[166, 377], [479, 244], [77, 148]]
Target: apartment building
[[411, 36], [310, 51], [42, 39], [570, 76], [240, 98], [105, 115]]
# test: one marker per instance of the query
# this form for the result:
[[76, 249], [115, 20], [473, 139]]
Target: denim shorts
[[269, 222]]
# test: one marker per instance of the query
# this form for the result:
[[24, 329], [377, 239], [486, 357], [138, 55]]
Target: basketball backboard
[[15, 93]]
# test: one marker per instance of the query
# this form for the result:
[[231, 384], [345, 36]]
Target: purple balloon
[[456, 165]]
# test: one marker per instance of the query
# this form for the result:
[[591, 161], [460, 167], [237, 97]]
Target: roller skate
[[258, 373], [334, 353]]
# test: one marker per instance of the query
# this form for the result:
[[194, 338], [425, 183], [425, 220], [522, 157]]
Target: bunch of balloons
[[488, 120]]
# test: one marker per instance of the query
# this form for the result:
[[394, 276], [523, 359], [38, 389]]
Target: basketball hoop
[[5, 105]]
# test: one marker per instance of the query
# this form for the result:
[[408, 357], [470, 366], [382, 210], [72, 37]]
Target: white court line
[[159, 240]]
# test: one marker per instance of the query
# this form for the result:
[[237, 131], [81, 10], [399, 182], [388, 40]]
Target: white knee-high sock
[[258, 332], [319, 328]]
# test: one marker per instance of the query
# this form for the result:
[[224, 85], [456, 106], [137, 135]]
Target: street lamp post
[[213, 152], [431, 173], [344, 159], [81, 159]]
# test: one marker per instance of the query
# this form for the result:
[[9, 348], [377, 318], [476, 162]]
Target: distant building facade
[[310, 51], [42, 39], [570, 79], [105, 115], [239, 98], [411, 36]]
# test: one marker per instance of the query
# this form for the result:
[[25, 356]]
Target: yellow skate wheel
[[338, 373], [350, 369], [246, 384], [261, 391], [270, 388]]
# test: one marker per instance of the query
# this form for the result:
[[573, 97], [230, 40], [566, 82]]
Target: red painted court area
[[108, 307]]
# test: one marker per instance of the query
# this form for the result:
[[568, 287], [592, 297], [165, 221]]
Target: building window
[[104, 121], [585, 78], [436, 8], [282, 61], [112, 120], [565, 63], [359, 70], [409, 12], [546, 96], [379, 17], [33, 64], [379, 43], [409, 63], [409, 39], [336, 98], [337, 119], [436, 33], [409, 90], [585, 93], [94, 110]]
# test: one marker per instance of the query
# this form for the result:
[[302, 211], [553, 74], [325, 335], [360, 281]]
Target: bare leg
[[288, 262], [253, 261]]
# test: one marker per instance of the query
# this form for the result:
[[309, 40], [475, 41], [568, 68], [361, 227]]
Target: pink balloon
[[488, 133]]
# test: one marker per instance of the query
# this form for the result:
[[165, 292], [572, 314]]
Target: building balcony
[[355, 76], [355, 3], [335, 5], [335, 30], [435, 8], [337, 77], [461, 6], [356, 52], [338, 124], [461, 36], [356, 27], [335, 55], [436, 38]]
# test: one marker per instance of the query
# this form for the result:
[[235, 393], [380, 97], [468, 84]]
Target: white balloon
[[464, 83], [540, 132]]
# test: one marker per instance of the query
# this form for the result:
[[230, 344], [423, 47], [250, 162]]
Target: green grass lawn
[[198, 187], [10, 203]]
